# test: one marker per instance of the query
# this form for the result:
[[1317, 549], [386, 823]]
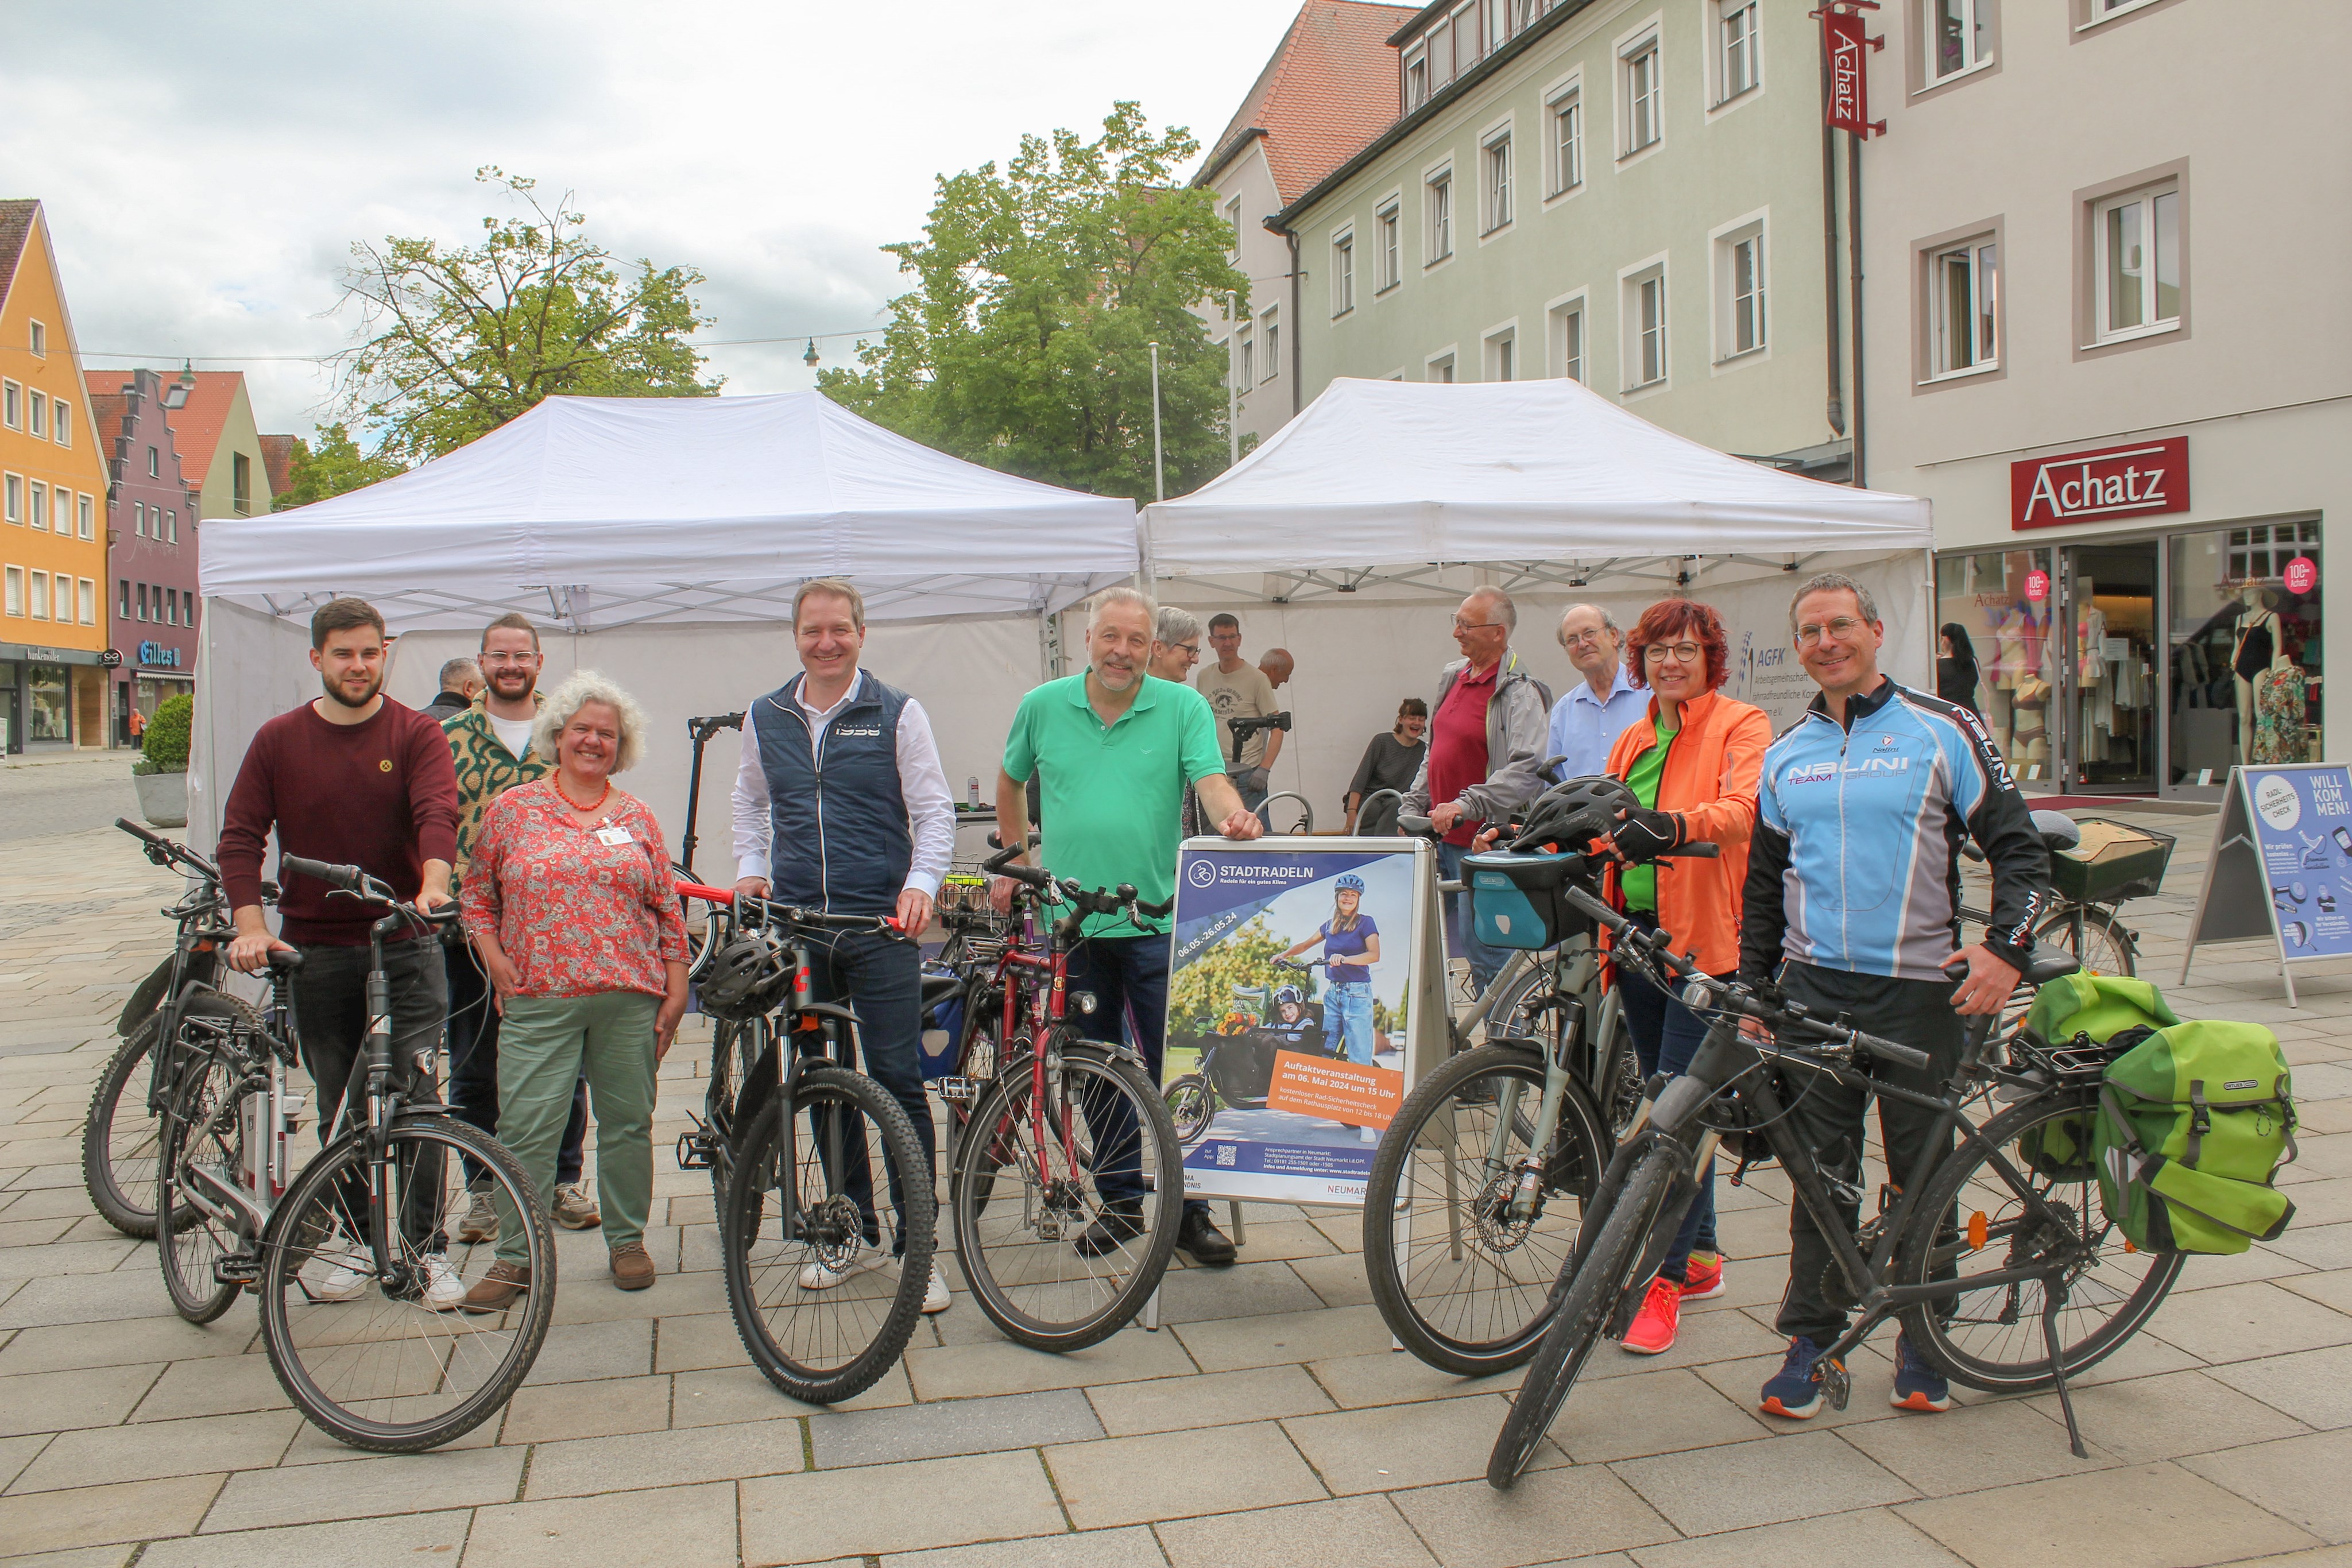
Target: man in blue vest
[[841, 805]]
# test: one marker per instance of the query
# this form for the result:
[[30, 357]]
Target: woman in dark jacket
[[1956, 671]]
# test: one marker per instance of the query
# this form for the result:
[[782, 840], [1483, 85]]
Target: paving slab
[[1472, 1525], [1172, 1475], [401, 1540], [589, 1466], [2137, 1516], [1347, 1532], [389, 1484], [671, 1527], [149, 1450], [1132, 1547], [1405, 1446], [1866, 1538], [1761, 1482], [101, 1515], [597, 1408], [2301, 1479], [821, 1515], [968, 1371], [1315, 1335], [933, 1430], [1207, 1399], [62, 1401]]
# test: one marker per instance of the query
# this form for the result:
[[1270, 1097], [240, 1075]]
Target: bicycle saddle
[[938, 989], [2057, 830], [2048, 963]]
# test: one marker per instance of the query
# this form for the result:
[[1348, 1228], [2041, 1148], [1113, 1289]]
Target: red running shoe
[[1655, 1326], [1703, 1277]]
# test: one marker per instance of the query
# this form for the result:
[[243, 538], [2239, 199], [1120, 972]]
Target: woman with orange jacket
[[1692, 761]]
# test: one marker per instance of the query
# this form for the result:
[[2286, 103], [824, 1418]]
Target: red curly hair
[[1672, 620]]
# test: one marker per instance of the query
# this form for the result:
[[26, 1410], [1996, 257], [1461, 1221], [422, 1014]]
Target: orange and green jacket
[[1713, 763]]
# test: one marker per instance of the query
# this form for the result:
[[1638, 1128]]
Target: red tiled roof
[[278, 457], [1329, 87], [107, 410], [196, 425], [16, 228]]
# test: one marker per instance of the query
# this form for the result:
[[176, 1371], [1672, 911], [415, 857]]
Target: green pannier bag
[[2097, 1007], [2193, 1124]]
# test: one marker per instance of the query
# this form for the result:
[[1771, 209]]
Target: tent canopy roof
[[1375, 475], [603, 512]]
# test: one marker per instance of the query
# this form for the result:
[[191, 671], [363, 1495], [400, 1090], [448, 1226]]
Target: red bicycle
[[1067, 1184]]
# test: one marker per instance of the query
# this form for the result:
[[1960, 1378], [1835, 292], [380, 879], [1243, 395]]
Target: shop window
[[2245, 650], [2004, 603]]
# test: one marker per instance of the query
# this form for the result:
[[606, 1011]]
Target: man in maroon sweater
[[351, 778]]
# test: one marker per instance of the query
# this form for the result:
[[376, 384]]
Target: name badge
[[615, 837]]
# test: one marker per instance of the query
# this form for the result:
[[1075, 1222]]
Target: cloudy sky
[[206, 167]]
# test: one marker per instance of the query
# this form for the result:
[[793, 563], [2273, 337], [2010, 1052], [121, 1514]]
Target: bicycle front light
[[1084, 1001]]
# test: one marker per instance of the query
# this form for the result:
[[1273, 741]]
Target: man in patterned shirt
[[489, 742]]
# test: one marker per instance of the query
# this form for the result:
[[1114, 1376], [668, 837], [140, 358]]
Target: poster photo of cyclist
[[1289, 1038]]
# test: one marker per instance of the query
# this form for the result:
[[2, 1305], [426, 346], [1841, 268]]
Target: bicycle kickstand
[[2053, 1297]]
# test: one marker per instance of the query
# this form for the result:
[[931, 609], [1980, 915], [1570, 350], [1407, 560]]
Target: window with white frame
[[1964, 307], [38, 339], [1388, 226], [13, 602], [1740, 327], [86, 520], [154, 465], [1438, 205], [61, 511], [1959, 36], [1567, 112], [170, 607], [1440, 369], [2136, 242], [123, 604], [1496, 161], [1232, 217], [1644, 314], [36, 406], [1244, 360], [142, 601], [1270, 334], [1568, 339], [12, 498], [62, 411], [1737, 66], [1640, 87], [40, 507], [1416, 78], [138, 519], [1503, 356], [1498, 25], [172, 527], [86, 591], [62, 592], [1441, 55], [1465, 36], [12, 405], [40, 596], [1343, 272]]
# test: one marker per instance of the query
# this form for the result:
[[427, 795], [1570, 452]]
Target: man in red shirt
[[1485, 752], [351, 778]]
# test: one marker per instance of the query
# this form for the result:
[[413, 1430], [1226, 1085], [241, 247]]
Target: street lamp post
[[1159, 472]]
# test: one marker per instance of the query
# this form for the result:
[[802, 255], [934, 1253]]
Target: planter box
[[162, 798]]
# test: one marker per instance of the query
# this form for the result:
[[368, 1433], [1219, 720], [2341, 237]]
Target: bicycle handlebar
[[164, 851], [705, 892], [762, 911]]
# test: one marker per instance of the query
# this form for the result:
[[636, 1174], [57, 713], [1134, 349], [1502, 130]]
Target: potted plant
[[161, 774]]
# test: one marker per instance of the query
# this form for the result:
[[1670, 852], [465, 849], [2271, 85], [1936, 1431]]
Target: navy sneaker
[[1917, 1385], [1795, 1391]]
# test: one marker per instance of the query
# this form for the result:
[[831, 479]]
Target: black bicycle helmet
[[741, 980], [1570, 814]]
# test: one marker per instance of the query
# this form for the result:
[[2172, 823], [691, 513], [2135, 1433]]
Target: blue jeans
[[1666, 1035], [1461, 932], [1349, 1005], [1128, 977]]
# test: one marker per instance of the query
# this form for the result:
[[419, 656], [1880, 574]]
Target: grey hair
[[579, 689], [458, 671], [1608, 621], [1508, 612], [1110, 596], [1831, 583], [1175, 625]]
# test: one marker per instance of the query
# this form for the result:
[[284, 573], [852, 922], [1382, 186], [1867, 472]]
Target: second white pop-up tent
[[661, 540], [1352, 534]]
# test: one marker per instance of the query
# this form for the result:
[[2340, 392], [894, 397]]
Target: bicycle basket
[[2113, 861], [1518, 900]]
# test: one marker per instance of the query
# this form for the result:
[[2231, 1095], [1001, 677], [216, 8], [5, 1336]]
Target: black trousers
[[1827, 1116], [330, 1015], [474, 1062]]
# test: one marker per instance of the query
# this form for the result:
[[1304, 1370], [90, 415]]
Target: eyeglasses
[[1462, 625], [1843, 627], [1190, 649], [1577, 639], [1683, 653]]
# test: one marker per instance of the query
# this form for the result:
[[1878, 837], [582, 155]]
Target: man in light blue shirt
[[1587, 721]]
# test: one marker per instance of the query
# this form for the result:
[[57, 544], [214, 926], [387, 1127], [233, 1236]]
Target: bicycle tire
[[203, 1123], [418, 1352], [2107, 1281], [1485, 1328], [1601, 1279], [2106, 948], [727, 1070], [121, 1145], [884, 1321], [1191, 1106], [1016, 1281]]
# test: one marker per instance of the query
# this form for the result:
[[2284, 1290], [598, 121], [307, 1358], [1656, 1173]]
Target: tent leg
[[1049, 646]]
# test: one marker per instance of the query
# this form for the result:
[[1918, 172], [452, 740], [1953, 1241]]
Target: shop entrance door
[[2110, 675]]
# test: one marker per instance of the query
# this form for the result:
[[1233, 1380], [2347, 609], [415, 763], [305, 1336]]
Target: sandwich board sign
[[2281, 866]]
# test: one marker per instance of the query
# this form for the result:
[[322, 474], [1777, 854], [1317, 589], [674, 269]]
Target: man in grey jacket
[[1486, 756]]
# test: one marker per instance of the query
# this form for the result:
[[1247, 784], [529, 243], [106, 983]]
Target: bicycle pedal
[[694, 1152], [1837, 1383], [957, 1091], [237, 1269]]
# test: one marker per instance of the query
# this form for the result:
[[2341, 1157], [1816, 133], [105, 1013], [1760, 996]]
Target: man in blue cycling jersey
[[1852, 897]]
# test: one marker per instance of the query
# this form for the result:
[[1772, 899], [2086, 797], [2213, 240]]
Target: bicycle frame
[[246, 1204], [1573, 971], [1044, 979]]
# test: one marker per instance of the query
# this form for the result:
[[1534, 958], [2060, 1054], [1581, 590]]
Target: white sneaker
[[819, 1277], [445, 1288], [348, 1280], [935, 1296]]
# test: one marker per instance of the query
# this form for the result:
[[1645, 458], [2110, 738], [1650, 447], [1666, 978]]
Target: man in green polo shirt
[[1114, 751]]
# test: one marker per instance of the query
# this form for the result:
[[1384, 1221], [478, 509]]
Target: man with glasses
[[1485, 753], [490, 743], [1853, 903], [1587, 721]]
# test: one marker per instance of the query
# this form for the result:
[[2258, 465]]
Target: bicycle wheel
[[121, 1139], [1602, 1280], [825, 1302], [1991, 1337], [203, 1131], [727, 1070], [1463, 1284], [1191, 1105], [1100, 1117], [2101, 943], [382, 1367]]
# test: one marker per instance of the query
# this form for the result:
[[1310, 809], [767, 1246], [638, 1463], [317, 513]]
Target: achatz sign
[[2141, 480]]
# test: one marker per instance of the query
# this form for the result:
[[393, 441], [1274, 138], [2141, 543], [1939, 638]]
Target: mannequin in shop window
[[2270, 684]]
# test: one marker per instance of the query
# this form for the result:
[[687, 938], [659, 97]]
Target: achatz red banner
[[2141, 480], [1842, 41]]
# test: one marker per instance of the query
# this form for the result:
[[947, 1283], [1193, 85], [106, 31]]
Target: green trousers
[[544, 1044]]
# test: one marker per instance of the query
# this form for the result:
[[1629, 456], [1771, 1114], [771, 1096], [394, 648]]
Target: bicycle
[[977, 941], [1476, 1195], [122, 1138], [349, 1255], [2083, 920], [816, 1301], [2037, 1221], [1061, 1113]]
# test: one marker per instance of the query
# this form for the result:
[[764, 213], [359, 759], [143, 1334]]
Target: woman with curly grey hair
[[569, 899]]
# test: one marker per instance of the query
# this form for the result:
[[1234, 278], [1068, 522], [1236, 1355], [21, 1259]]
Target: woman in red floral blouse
[[569, 900]]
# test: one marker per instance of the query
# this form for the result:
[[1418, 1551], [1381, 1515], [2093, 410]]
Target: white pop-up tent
[[1351, 535], [661, 540]]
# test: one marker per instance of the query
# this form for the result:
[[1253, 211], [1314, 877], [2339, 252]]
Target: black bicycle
[[1998, 1256]]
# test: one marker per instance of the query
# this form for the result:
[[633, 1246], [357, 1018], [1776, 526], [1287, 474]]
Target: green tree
[[1026, 343], [332, 466], [1202, 992], [454, 340]]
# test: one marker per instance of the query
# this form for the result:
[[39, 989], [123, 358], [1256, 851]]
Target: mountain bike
[[121, 1137], [1067, 1184], [826, 1207], [352, 1254], [1999, 1258], [1479, 1192]]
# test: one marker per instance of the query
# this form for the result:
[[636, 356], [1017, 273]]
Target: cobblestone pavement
[[1269, 1422], [53, 793]]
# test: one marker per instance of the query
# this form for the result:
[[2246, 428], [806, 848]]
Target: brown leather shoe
[[633, 1268], [495, 1290]]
